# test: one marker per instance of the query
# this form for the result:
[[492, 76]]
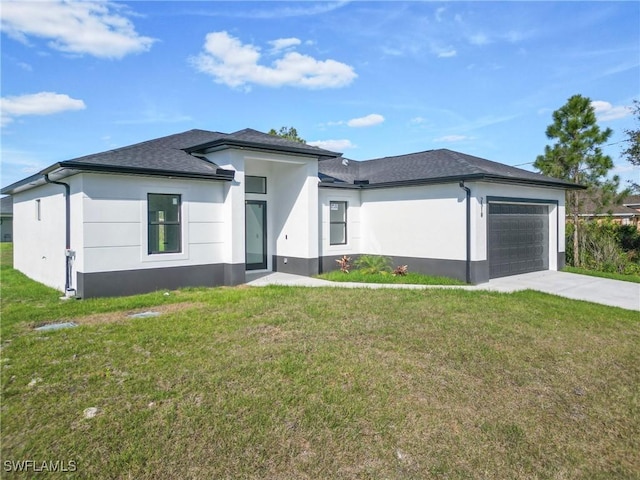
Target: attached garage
[[518, 238]]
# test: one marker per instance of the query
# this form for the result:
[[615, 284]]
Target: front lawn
[[411, 277], [309, 383]]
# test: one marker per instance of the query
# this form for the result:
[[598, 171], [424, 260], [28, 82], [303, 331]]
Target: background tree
[[576, 156], [632, 152], [289, 133]]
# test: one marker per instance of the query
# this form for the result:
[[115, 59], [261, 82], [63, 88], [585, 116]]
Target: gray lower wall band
[[132, 282]]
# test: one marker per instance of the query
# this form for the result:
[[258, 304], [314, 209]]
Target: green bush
[[372, 264], [605, 246]]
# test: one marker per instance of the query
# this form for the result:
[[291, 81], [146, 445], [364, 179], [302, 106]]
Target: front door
[[256, 234]]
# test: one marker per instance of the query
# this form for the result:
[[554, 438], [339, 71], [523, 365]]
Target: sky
[[368, 79]]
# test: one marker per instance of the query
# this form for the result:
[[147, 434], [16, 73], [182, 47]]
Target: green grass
[[411, 277], [284, 383], [595, 273]]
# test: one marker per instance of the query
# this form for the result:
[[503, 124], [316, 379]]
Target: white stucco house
[[202, 208]]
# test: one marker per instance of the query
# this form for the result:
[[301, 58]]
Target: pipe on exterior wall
[[468, 259], [68, 254]]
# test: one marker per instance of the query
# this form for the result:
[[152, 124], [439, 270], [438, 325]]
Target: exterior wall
[[292, 199], [112, 212], [39, 244], [421, 226], [425, 226], [115, 223], [352, 247], [6, 229], [422, 222]]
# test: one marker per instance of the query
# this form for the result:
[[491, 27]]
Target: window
[[38, 210], [338, 223], [165, 231], [255, 184]]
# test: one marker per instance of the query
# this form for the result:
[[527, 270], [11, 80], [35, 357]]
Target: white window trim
[[145, 256]]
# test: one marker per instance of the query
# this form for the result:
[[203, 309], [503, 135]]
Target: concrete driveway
[[579, 287], [570, 285]]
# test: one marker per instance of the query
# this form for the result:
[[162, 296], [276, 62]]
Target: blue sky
[[368, 79]]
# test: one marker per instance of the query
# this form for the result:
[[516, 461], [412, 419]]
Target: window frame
[[342, 222], [151, 224], [264, 182]]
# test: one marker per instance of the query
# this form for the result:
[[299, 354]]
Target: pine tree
[[289, 133], [632, 152], [577, 156]]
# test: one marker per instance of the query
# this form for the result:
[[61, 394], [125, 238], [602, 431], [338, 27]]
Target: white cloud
[[232, 63], [94, 28], [606, 112], [417, 120], [43, 103], [367, 121], [269, 10], [333, 145], [446, 53], [451, 138], [17, 163], [284, 43], [479, 39]]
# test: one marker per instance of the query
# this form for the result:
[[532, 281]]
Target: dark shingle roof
[[429, 166], [631, 201], [161, 154], [254, 139], [172, 156], [588, 207]]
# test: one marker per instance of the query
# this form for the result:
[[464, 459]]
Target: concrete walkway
[[570, 285]]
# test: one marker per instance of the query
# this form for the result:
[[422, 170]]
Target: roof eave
[[223, 144], [220, 174], [66, 169], [457, 178]]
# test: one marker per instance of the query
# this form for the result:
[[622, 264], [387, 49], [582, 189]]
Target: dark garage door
[[518, 239]]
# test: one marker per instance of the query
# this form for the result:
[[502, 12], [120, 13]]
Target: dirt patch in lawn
[[123, 316]]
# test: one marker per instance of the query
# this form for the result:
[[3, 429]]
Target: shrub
[[372, 264], [401, 270], [344, 263], [605, 246]]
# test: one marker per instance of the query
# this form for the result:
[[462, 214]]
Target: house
[[627, 213], [6, 219], [202, 208]]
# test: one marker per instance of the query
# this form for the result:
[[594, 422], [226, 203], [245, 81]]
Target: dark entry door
[[518, 239], [256, 234]]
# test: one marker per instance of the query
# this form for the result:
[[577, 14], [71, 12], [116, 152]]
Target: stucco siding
[[421, 221], [39, 243], [115, 222]]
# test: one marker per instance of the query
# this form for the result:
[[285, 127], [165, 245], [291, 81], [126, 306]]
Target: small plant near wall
[[401, 270], [344, 263], [372, 264]]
